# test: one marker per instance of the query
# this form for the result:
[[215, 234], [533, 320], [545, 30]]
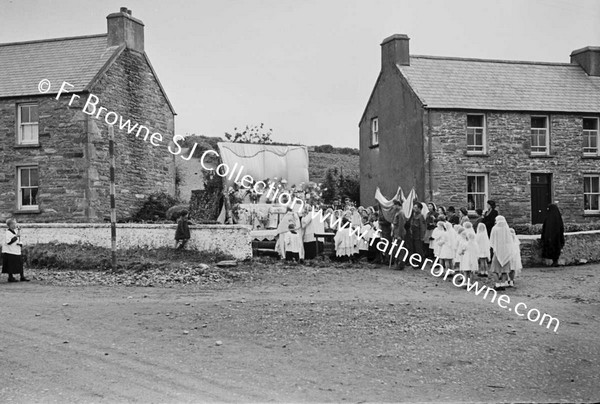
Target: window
[[374, 132], [539, 135], [28, 124], [590, 136], [475, 134], [28, 188], [477, 191], [591, 192]]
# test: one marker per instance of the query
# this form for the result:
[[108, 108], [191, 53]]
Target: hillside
[[318, 163]]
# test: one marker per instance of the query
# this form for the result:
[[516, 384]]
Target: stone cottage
[[55, 152], [462, 131]]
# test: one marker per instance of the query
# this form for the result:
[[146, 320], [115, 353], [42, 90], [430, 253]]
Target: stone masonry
[[508, 162]]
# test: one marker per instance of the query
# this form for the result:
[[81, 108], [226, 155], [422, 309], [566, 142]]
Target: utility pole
[[113, 208]]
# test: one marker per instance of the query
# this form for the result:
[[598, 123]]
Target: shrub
[[174, 212], [155, 207]]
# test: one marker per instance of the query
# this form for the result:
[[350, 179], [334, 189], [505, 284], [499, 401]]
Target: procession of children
[[463, 246]]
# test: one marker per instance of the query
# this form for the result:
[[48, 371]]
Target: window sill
[[590, 157], [591, 214], [474, 154], [26, 212], [28, 146], [541, 156], [374, 146]]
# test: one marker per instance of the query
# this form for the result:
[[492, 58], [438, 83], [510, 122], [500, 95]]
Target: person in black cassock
[[553, 235]]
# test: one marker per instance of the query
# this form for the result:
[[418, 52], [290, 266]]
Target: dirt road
[[301, 334]]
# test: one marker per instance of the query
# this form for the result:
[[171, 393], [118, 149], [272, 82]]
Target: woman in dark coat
[[489, 216], [553, 235]]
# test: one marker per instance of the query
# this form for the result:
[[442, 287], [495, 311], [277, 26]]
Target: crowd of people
[[471, 246]]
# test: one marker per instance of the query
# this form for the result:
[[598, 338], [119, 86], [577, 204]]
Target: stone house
[[55, 150], [462, 131]]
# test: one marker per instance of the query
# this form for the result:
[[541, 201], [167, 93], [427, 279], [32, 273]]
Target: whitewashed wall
[[231, 239]]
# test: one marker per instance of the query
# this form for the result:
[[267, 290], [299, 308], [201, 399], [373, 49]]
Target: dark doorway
[[541, 196]]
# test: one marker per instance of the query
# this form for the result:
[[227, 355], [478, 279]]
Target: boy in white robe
[[293, 244]]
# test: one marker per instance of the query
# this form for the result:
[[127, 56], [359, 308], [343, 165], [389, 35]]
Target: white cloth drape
[[262, 161]]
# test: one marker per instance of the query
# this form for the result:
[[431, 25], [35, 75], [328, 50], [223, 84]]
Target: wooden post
[[113, 208]]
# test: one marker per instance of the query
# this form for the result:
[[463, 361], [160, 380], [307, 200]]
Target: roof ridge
[[53, 39], [527, 62]]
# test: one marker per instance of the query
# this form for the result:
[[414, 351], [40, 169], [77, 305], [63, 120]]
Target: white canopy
[[263, 161]]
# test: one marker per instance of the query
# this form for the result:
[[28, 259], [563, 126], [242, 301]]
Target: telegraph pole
[[113, 208]]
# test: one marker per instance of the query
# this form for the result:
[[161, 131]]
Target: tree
[[330, 186], [252, 134]]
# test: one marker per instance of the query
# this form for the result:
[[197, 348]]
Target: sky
[[304, 68]]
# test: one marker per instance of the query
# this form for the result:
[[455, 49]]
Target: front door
[[541, 196]]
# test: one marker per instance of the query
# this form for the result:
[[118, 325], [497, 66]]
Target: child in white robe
[[293, 244], [460, 245], [468, 263], [346, 244], [515, 262], [363, 242], [483, 243], [436, 236], [447, 249]]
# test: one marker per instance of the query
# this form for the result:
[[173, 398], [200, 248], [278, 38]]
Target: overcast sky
[[304, 68]]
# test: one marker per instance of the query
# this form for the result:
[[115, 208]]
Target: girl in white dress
[[468, 263], [483, 243], [447, 246], [515, 263]]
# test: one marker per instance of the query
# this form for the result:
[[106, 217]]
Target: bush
[[155, 207], [174, 212]]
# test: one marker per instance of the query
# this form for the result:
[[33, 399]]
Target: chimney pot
[[123, 9], [395, 51], [128, 11]]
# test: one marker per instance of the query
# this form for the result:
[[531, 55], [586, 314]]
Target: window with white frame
[[591, 192], [539, 135], [374, 131], [475, 134], [590, 136], [28, 124], [477, 191], [27, 178]]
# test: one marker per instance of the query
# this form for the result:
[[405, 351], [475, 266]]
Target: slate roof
[[457, 83], [76, 60]]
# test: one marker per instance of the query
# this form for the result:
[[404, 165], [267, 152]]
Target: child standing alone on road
[[182, 234], [12, 261]]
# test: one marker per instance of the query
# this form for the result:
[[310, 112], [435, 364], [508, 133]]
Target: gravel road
[[298, 334]]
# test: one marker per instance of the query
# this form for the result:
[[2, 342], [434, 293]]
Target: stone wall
[[508, 163], [130, 89], [580, 247], [60, 158], [231, 239]]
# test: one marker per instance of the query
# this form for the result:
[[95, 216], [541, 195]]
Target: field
[[318, 163]]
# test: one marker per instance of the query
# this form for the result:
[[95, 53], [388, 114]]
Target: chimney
[[394, 51], [124, 29], [588, 58]]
